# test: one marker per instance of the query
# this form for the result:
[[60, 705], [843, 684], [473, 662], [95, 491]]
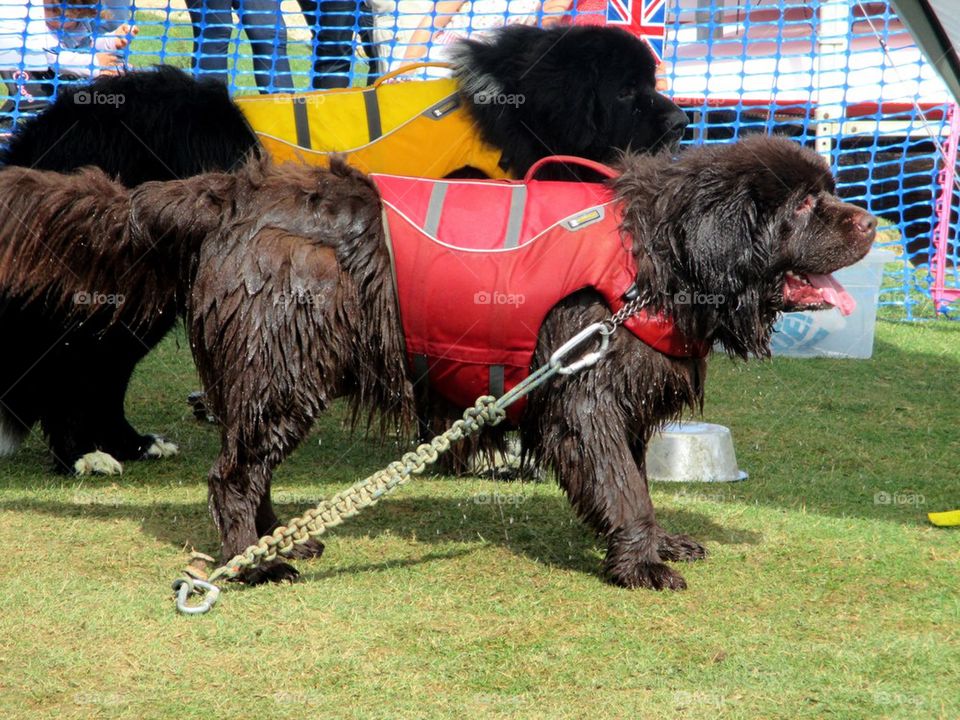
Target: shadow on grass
[[541, 528], [821, 436]]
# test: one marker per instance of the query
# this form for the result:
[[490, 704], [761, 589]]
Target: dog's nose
[[866, 225], [677, 122]]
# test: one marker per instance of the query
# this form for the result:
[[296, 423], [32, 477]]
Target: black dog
[[755, 224], [164, 125], [160, 124], [69, 376], [586, 91]]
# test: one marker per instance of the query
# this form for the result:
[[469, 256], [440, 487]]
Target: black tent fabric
[[935, 25]]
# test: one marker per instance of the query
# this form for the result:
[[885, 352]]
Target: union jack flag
[[644, 18]]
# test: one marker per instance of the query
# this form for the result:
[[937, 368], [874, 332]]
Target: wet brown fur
[[283, 276]]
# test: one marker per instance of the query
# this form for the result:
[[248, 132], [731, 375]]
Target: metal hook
[[185, 587], [588, 360]]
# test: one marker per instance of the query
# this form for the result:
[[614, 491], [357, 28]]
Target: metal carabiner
[[588, 360], [184, 587]]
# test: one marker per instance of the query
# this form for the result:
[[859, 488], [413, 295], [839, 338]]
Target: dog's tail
[[71, 242]]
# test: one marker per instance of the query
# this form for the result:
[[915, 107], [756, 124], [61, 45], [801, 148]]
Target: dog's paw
[[505, 466], [160, 448], [275, 572], [197, 401], [654, 576], [310, 550], [680, 548], [97, 463]]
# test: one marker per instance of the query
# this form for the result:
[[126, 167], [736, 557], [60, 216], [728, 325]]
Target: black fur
[[160, 124], [585, 90], [69, 376]]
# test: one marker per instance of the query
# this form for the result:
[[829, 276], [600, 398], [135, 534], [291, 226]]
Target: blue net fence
[[842, 76]]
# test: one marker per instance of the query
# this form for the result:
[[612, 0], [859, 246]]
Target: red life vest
[[478, 264]]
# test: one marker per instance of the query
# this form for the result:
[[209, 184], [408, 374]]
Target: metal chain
[[487, 411], [620, 316]]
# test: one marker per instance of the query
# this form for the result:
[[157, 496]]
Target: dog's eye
[[806, 205], [627, 93]]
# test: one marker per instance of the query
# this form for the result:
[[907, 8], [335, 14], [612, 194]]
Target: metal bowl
[[693, 452]]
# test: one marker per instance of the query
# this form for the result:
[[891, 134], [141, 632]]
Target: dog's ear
[[721, 248], [701, 241], [582, 97], [485, 69], [725, 250], [525, 82]]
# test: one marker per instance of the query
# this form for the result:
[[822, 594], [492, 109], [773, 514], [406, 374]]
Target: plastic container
[[827, 333], [693, 452]]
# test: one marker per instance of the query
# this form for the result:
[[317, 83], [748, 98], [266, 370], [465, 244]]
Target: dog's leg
[[69, 420], [110, 363], [252, 445], [236, 490], [71, 443], [12, 432], [670, 547], [609, 490], [593, 430], [43, 380], [267, 522]]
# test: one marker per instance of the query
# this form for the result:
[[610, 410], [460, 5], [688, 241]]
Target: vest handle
[[604, 170], [404, 69]]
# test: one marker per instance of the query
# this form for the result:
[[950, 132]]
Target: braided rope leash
[[345, 504]]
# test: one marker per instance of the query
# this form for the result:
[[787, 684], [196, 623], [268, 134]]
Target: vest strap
[[421, 370], [496, 380], [372, 106], [435, 208], [518, 203], [301, 121]]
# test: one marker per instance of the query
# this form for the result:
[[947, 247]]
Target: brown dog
[[753, 224]]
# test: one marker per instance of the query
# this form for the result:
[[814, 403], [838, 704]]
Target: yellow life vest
[[421, 128]]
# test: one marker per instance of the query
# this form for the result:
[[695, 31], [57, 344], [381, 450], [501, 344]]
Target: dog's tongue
[[833, 293]]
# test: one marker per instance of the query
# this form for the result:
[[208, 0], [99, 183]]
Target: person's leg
[[267, 33], [212, 26], [369, 45], [332, 24], [113, 14]]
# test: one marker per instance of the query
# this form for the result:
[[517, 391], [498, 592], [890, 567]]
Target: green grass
[[816, 601]]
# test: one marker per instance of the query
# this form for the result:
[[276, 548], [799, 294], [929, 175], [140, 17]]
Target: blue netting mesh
[[840, 75]]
